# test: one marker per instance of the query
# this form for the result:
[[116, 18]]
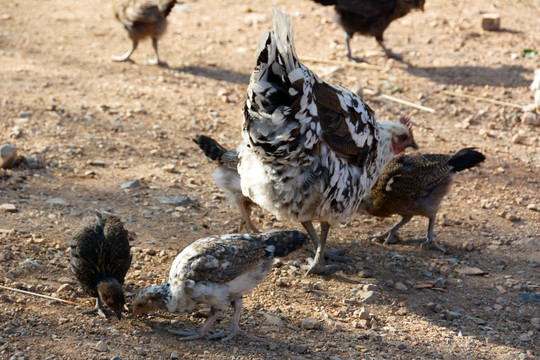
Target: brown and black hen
[[100, 259], [141, 19], [370, 17], [415, 185]]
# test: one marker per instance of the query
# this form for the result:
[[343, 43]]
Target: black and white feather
[[218, 271], [311, 149]]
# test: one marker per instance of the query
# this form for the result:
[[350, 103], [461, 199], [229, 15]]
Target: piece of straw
[[38, 295]]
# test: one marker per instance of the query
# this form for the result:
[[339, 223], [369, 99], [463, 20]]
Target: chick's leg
[[235, 327], [391, 234], [386, 50], [348, 37], [100, 310], [201, 333], [245, 210], [430, 237], [155, 61], [126, 56]]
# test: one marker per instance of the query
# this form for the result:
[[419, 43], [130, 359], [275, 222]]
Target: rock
[[400, 286], [530, 118], [519, 138], [176, 201], [364, 296], [25, 114], [491, 22], [272, 319], [64, 288], [101, 346], [174, 355], [29, 262], [471, 271], [362, 314], [35, 162], [8, 156], [525, 337], [530, 297], [131, 184], [532, 207], [311, 324], [57, 201], [535, 322], [9, 207]]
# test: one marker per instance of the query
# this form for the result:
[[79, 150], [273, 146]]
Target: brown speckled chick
[[141, 19], [100, 259], [415, 185]]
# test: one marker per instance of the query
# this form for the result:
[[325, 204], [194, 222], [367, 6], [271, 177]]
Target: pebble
[[64, 287], [273, 319], [116, 358], [530, 297], [176, 201], [35, 162], [525, 337], [532, 206], [311, 323], [29, 262], [9, 207], [174, 355], [131, 184], [364, 296], [400, 286], [530, 118], [8, 156], [57, 201], [101, 346], [534, 321]]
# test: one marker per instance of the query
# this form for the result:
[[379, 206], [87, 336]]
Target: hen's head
[[112, 295], [400, 133], [150, 299]]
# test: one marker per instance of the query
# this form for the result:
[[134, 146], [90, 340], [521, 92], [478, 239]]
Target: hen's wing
[[366, 8]]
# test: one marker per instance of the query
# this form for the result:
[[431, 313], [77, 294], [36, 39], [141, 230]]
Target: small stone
[[57, 201], [25, 114], [530, 297], [530, 118], [174, 355], [362, 314], [364, 296], [400, 286], [311, 324], [29, 262], [35, 162], [170, 168], [176, 201], [519, 138], [402, 347], [131, 184], [471, 271], [64, 287], [525, 337], [535, 322], [491, 22], [8, 156], [101, 346], [273, 319], [532, 207], [9, 207]]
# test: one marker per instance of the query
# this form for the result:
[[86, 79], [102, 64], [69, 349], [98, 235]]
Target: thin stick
[[39, 295], [477, 98], [395, 99], [342, 63]]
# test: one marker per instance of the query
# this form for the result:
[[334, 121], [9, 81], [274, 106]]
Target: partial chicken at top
[[141, 19], [311, 149], [370, 17]]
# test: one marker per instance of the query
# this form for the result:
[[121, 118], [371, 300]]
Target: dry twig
[[39, 295], [478, 98], [400, 101]]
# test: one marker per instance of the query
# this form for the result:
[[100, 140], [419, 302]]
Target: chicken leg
[[101, 311], [429, 238], [391, 233], [128, 53]]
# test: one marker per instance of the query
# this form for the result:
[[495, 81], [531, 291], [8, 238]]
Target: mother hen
[[311, 149]]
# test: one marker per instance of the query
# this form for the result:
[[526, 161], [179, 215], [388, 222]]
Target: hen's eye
[[402, 137]]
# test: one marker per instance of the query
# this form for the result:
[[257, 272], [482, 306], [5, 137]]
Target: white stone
[[101, 346]]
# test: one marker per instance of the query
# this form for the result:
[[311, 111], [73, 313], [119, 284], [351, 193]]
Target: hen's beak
[[413, 144]]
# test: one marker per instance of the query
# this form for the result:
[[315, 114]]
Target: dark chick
[[218, 271], [141, 19], [415, 185], [371, 18], [100, 259]]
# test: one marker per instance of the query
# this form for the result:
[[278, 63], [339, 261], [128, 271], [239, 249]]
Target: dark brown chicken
[[415, 185], [370, 17], [227, 178], [141, 19], [100, 259]]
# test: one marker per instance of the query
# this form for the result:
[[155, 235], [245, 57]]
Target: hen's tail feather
[[211, 147], [166, 10], [282, 243], [465, 159]]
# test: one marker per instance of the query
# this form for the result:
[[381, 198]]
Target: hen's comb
[[406, 121]]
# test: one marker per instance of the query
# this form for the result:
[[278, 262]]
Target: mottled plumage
[[311, 149], [370, 17], [218, 271], [415, 185], [100, 258], [141, 19], [227, 178]]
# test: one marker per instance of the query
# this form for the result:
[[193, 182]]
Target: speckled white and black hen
[[218, 271], [311, 149], [100, 258]]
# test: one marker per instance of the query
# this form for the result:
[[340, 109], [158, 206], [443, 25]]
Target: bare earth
[[99, 124]]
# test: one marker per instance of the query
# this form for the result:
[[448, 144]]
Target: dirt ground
[[97, 125]]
